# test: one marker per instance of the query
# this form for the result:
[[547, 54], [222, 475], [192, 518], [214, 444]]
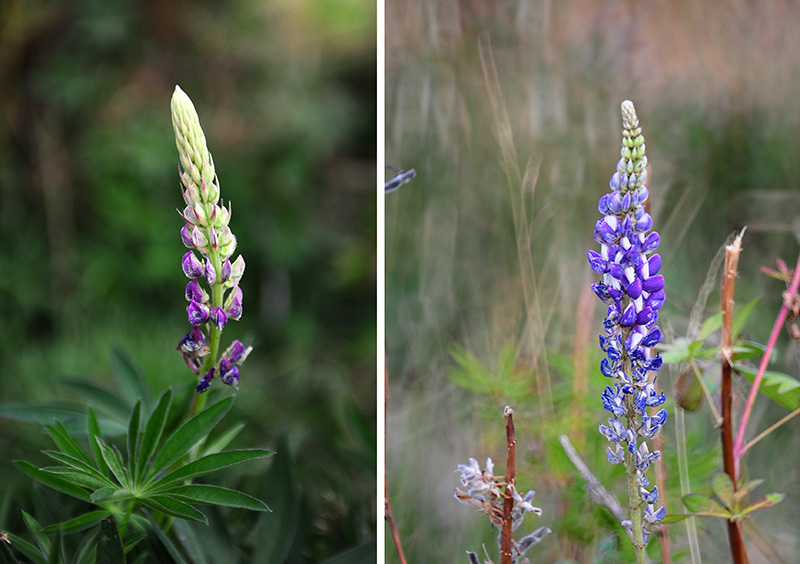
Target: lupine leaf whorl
[[198, 166]]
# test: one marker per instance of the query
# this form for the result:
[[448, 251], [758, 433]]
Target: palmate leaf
[[704, 506], [79, 465], [28, 549], [114, 462], [66, 443], [133, 438], [188, 435], [215, 495], [210, 463], [75, 476], [767, 501], [722, 486], [94, 431]]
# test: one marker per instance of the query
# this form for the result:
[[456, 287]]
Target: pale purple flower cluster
[[211, 245], [633, 290]]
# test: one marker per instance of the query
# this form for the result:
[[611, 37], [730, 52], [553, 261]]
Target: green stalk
[[635, 504]]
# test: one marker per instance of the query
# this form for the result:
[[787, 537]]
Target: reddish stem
[[388, 504], [511, 478], [739, 448], [729, 279]]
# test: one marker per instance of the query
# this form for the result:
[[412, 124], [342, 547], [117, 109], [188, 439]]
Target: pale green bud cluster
[[633, 147]]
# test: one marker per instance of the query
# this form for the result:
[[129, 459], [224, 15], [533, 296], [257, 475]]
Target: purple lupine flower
[[218, 317], [211, 242], [192, 267], [633, 292]]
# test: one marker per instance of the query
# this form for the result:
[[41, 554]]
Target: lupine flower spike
[[208, 263], [633, 290]]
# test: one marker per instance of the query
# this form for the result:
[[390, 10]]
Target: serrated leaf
[[66, 443], [132, 441], [98, 397], [743, 491], [51, 481], [210, 463], [767, 501], [114, 461], [80, 523], [722, 486], [94, 431], [153, 431], [171, 506], [109, 545], [188, 435], [780, 388], [215, 495], [128, 377], [704, 506]]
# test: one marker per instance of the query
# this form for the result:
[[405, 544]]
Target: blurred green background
[[91, 250], [486, 247]]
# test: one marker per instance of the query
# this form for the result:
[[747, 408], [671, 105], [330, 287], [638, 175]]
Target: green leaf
[[722, 485], [77, 524], [76, 477], [210, 463], [688, 391], [740, 317], [365, 554], [98, 397], [277, 531], [35, 529], [67, 444], [215, 495], [109, 545], [108, 495], [767, 501], [6, 556], [128, 377], [188, 435], [713, 323], [223, 441], [114, 461], [79, 465], [704, 506], [171, 548], [743, 491], [780, 388], [52, 481], [176, 508], [94, 431], [153, 431], [133, 435], [28, 549]]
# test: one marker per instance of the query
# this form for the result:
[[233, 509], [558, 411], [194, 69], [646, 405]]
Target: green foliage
[[729, 504], [156, 472]]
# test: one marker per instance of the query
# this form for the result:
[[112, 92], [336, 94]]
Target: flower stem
[[387, 503], [635, 505], [511, 478], [732, 252]]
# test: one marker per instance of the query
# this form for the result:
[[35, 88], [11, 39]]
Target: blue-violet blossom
[[633, 291]]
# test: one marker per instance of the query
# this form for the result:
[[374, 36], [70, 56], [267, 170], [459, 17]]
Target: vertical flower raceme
[[633, 291], [213, 292]]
